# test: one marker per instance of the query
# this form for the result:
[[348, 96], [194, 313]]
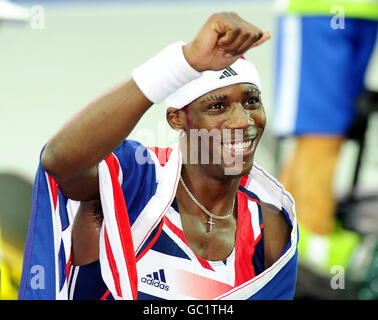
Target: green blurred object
[[15, 206], [335, 249], [363, 269], [362, 9]]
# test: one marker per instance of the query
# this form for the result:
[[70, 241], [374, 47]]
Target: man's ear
[[176, 118]]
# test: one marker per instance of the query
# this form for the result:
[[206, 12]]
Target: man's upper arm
[[82, 188], [138, 178], [276, 233]]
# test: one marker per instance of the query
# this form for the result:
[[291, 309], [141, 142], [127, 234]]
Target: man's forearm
[[95, 131]]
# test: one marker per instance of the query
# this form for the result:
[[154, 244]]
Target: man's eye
[[252, 101], [216, 106]]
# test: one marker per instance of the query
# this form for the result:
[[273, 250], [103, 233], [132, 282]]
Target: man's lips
[[243, 146]]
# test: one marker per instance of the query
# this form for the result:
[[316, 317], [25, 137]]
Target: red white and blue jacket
[[140, 222]]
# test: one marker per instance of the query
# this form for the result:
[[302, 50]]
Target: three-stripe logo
[[228, 72], [156, 279]]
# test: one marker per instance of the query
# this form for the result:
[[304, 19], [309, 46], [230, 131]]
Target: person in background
[[323, 50]]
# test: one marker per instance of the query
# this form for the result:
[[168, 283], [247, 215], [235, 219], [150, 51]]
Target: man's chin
[[238, 169]]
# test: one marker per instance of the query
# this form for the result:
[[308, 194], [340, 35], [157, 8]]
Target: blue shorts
[[320, 73]]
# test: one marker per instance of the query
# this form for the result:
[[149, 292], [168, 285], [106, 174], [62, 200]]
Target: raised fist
[[221, 41]]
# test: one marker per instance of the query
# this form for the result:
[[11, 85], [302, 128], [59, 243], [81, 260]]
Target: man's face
[[233, 118]]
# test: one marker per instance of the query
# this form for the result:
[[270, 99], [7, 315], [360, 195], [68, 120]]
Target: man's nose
[[239, 118]]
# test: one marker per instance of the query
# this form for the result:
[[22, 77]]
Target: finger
[[238, 42], [248, 43], [254, 37], [229, 37], [265, 37], [244, 41]]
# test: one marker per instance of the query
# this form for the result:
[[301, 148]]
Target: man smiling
[[235, 130], [176, 226]]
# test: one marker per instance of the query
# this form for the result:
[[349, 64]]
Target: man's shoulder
[[278, 213], [274, 217], [277, 230]]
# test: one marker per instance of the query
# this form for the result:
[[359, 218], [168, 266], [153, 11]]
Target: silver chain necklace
[[211, 216]]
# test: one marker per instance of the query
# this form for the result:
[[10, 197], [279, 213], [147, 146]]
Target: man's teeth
[[238, 146]]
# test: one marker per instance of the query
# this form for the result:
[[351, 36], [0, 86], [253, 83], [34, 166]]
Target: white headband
[[241, 71]]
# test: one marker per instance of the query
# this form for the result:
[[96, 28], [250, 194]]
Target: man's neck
[[210, 190]]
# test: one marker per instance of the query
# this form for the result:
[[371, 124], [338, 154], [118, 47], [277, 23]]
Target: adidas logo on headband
[[241, 71], [229, 72]]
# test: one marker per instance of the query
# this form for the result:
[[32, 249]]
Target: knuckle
[[247, 34], [237, 29], [259, 34]]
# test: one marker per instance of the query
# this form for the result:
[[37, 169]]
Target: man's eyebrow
[[251, 90], [214, 97]]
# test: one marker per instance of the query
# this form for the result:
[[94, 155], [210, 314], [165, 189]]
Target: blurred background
[[56, 56]]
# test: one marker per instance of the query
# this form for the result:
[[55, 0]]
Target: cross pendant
[[210, 222]]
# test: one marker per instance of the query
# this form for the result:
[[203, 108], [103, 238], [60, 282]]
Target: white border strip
[[159, 203], [289, 82], [253, 209], [110, 222]]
